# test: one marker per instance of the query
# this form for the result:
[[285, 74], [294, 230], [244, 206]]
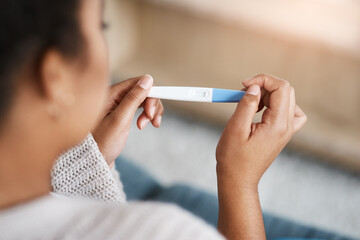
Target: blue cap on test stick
[[226, 95]]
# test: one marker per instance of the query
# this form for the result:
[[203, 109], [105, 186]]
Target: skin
[[125, 98], [79, 91], [247, 149], [72, 97]]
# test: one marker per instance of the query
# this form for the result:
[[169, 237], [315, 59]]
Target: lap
[[140, 185]]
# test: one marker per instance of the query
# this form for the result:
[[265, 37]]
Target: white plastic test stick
[[196, 94]]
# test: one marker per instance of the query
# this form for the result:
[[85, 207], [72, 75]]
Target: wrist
[[228, 177]]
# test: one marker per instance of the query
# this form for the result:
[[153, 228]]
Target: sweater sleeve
[[83, 172]]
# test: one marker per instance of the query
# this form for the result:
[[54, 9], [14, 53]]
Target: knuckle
[[285, 84], [131, 96], [262, 76], [250, 100]]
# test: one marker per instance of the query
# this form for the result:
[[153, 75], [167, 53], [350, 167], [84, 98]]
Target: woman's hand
[[124, 99], [247, 149]]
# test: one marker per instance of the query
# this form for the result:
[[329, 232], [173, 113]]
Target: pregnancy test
[[196, 94]]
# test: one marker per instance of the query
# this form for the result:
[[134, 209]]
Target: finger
[[119, 90], [261, 104], [156, 122], [279, 95], [292, 106], [299, 119], [133, 99], [142, 121], [150, 106], [246, 110], [263, 95]]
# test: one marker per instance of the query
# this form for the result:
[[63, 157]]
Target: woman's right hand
[[247, 149]]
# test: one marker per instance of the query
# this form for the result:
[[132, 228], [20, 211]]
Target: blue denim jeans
[[140, 185]]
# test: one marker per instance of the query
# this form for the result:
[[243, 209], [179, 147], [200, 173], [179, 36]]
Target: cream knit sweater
[[88, 202]]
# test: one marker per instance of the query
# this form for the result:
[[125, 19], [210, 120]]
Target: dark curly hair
[[29, 28]]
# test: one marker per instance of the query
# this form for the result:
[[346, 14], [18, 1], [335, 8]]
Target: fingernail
[[152, 112], [158, 120], [253, 90], [146, 82], [144, 123]]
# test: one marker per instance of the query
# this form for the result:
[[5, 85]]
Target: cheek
[[95, 82], [99, 74]]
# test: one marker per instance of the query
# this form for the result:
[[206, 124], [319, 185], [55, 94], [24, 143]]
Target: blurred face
[[90, 78]]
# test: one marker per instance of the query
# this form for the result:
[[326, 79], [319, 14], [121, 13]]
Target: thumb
[[133, 99], [246, 109]]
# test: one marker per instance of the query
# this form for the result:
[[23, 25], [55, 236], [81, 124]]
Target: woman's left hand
[[124, 99]]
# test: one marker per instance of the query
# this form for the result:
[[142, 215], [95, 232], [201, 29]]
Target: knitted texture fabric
[[83, 172]]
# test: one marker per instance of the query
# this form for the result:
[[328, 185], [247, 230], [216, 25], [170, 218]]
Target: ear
[[55, 76]]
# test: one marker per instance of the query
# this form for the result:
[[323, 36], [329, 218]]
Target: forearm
[[240, 215]]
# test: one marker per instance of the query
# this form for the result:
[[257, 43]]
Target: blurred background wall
[[314, 44]]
